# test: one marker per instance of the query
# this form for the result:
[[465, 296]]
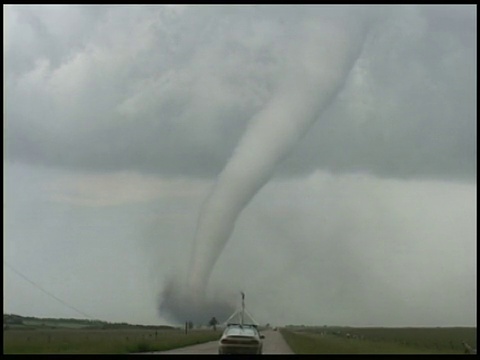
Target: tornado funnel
[[316, 75]]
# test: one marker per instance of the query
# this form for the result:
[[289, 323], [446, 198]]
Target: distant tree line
[[12, 319]]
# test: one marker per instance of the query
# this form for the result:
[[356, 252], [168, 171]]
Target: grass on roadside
[[70, 341], [311, 343]]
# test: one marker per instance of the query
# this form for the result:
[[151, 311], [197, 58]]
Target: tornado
[[318, 66], [312, 84]]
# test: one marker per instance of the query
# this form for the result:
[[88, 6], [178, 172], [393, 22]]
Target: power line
[[48, 293]]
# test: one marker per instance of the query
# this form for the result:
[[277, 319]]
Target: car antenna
[[243, 306]]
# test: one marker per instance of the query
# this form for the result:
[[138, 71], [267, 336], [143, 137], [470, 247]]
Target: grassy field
[[330, 340], [94, 341], [24, 335], [30, 335]]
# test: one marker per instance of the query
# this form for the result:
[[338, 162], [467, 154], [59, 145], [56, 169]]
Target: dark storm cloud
[[171, 89], [53, 32]]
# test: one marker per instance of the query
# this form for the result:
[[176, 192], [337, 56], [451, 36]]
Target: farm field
[[346, 340], [23, 335], [93, 341]]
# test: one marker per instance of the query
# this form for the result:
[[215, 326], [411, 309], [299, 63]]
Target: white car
[[240, 339]]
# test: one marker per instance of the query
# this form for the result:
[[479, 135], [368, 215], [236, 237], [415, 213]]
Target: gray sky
[[118, 120]]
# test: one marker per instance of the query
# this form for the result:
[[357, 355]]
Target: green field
[[345, 340], [22, 335], [84, 341]]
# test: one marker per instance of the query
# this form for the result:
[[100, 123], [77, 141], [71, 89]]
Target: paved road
[[272, 344]]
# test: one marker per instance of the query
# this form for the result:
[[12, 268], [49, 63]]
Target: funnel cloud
[[329, 50]]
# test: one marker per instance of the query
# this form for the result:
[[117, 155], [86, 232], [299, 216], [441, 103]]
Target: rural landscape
[[30, 335], [167, 163]]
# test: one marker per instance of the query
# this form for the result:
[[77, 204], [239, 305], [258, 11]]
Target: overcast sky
[[118, 120]]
